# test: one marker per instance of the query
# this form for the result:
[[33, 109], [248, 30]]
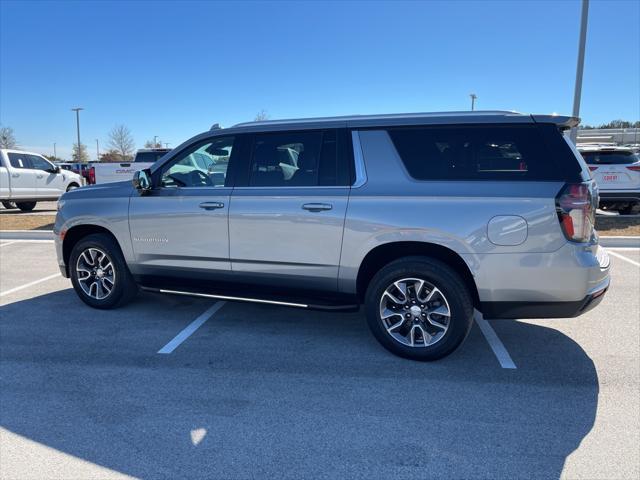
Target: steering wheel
[[200, 178]]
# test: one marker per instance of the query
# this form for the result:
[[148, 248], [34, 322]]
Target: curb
[[622, 242], [26, 234]]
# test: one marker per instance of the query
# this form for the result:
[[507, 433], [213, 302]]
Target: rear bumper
[[629, 196], [545, 309]]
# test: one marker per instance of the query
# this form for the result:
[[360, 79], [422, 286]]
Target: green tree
[[79, 156]]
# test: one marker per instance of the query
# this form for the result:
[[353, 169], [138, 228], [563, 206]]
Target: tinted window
[[294, 159], [609, 158], [19, 160], [149, 157], [204, 165], [474, 153], [39, 163]]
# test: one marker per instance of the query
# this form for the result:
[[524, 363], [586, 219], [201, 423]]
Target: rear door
[[288, 209], [23, 177]]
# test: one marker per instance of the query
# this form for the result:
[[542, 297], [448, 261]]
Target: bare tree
[[7, 138], [261, 116], [152, 144], [121, 141], [82, 156]]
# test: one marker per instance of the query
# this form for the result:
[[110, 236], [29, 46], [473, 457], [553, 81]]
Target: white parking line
[[192, 327], [27, 285], [8, 243], [494, 342], [617, 255]]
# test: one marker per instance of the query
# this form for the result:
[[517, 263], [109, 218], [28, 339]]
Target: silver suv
[[420, 218]]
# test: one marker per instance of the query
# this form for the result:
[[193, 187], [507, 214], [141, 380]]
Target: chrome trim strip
[[361, 171], [226, 297]]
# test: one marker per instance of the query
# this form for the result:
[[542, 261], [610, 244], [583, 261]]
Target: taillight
[[92, 175], [576, 212], [635, 168], [593, 168]]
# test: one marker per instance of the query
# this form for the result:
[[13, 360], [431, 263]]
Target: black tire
[[9, 205], [26, 206], [444, 279], [630, 209], [72, 186], [124, 287]]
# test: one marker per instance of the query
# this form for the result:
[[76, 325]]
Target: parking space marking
[[192, 327], [8, 243], [617, 255], [494, 342], [30, 284]]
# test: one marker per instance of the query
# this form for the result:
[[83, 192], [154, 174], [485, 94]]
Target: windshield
[[609, 158]]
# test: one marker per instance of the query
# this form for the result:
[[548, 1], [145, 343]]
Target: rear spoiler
[[561, 121]]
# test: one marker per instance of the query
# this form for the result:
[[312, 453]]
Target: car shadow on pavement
[[263, 391]]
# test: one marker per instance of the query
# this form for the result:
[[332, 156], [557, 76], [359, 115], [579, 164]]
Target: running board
[[347, 307]]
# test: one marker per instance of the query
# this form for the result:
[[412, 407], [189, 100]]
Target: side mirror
[[142, 181], [53, 169]]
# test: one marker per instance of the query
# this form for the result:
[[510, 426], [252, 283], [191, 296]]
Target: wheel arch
[[77, 233], [389, 252]]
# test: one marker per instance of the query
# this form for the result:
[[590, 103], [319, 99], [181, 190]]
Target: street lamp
[[55, 155], [155, 142], [97, 150], [473, 101], [77, 110], [580, 68]]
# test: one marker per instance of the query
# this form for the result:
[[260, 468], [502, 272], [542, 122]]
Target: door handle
[[317, 207], [15, 175], [211, 205], [39, 176]]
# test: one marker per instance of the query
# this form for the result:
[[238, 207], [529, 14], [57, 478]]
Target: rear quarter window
[[502, 152], [19, 160]]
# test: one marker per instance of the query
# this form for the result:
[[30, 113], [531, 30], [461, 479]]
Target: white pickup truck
[[27, 178], [108, 172]]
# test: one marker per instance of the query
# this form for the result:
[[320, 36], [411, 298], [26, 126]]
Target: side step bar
[[348, 307]]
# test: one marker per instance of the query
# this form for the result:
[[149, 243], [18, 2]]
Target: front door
[[181, 226], [49, 184], [286, 224]]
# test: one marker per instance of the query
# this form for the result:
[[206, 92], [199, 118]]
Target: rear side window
[[609, 158], [295, 159], [476, 153], [149, 157], [19, 160]]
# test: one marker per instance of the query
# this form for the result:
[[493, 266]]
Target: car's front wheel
[[26, 206], [99, 273], [9, 205], [419, 308]]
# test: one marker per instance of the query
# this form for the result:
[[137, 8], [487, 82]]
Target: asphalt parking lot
[[259, 391]]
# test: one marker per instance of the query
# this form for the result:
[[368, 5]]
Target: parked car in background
[[81, 169], [109, 172], [421, 218], [27, 178], [617, 171]]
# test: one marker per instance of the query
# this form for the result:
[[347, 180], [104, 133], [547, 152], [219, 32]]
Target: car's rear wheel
[[630, 209], [99, 273], [419, 308]]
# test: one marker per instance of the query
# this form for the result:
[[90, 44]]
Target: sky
[[174, 68]]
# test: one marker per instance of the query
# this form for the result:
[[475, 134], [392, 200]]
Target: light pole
[[97, 150], [55, 155], [155, 142], [77, 110], [166, 144], [473, 101], [580, 68]]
